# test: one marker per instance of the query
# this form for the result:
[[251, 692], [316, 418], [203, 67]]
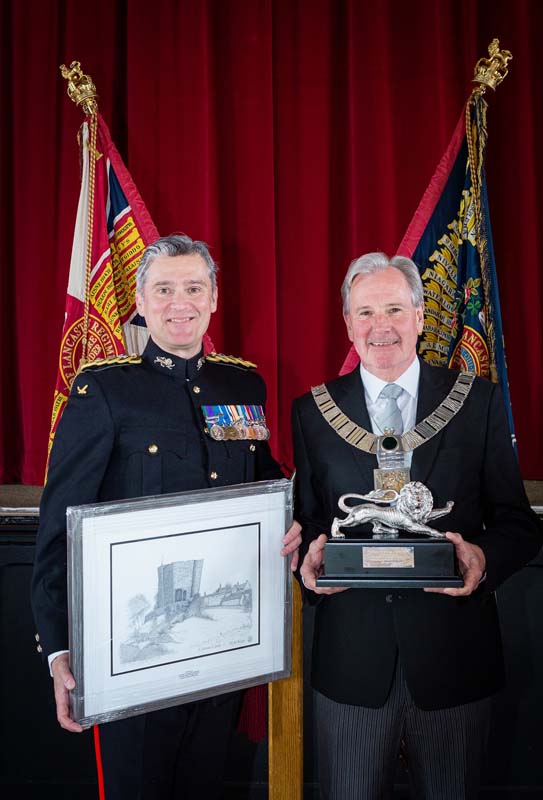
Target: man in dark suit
[[412, 663], [133, 427]]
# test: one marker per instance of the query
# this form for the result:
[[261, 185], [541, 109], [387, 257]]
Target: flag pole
[[82, 91], [488, 73]]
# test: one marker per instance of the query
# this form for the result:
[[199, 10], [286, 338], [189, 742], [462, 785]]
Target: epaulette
[[112, 361], [234, 361]]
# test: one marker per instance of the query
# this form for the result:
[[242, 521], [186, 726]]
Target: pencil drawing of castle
[[182, 622]]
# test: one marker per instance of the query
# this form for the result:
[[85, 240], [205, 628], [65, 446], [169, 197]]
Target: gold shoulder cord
[[364, 440], [121, 360], [221, 358]]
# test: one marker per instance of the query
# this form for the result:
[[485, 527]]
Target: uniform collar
[[170, 364]]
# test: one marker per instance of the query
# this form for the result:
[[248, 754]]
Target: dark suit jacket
[[449, 648], [130, 431]]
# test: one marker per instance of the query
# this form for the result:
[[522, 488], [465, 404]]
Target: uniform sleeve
[[79, 458], [513, 534]]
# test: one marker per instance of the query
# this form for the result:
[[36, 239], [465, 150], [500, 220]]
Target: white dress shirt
[[407, 401]]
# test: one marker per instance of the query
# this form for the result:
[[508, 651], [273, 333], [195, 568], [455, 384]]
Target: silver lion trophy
[[420, 556]]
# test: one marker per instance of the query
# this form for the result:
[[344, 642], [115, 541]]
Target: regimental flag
[[449, 238], [111, 231]]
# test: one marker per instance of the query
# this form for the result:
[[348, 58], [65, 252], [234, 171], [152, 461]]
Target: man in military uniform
[[416, 663], [137, 427]]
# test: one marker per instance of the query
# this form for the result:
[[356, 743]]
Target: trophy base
[[390, 563]]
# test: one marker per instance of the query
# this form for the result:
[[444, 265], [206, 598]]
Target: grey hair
[[178, 244], [370, 263]]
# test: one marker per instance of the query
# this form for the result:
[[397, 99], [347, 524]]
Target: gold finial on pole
[[491, 71], [80, 89]]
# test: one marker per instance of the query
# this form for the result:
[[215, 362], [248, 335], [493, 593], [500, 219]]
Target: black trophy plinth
[[390, 563]]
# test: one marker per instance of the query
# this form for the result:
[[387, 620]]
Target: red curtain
[[292, 135]]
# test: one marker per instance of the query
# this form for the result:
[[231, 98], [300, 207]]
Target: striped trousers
[[358, 747]]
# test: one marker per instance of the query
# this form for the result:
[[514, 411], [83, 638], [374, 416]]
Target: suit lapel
[[434, 385], [348, 393]]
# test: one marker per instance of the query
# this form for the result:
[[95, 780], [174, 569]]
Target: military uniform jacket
[[449, 647], [134, 430]]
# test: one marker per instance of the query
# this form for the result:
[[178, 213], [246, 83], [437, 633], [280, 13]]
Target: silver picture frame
[[178, 597]]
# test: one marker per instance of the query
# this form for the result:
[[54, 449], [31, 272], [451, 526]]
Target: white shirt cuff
[[52, 657]]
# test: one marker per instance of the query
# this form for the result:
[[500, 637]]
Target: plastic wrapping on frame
[[132, 653]]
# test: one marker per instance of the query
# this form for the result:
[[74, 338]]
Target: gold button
[[153, 448], [252, 448], [39, 648], [213, 476], [196, 389], [37, 637]]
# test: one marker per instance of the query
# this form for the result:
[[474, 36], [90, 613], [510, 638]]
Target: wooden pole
[[285, 719]]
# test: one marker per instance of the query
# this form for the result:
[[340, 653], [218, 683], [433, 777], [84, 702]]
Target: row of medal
[[233, 422]]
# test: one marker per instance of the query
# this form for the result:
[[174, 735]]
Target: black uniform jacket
[[449, 648], [136, 430]]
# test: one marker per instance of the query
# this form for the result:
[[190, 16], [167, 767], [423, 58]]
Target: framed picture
[[177, 597]]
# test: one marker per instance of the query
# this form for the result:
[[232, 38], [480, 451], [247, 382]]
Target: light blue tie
[[390, 418]]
